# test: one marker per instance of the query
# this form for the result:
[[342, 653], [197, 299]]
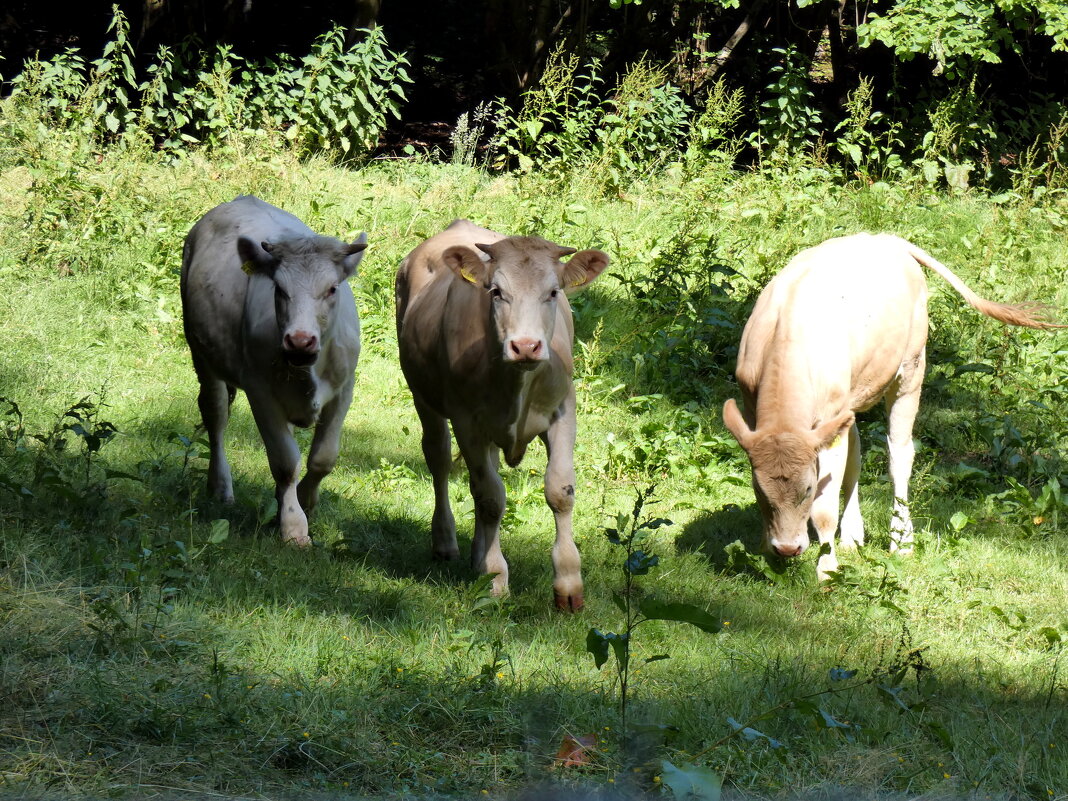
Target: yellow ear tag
[[580, 281], [835, 442], [467, 275], [247, 268]]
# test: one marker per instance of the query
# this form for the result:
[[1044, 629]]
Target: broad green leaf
[[679, 613], [688, 782], [220, 530], [752, 735], [597, 644]]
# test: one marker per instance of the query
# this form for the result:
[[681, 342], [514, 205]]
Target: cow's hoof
[[298, 541], [569, 603], [447, 555]]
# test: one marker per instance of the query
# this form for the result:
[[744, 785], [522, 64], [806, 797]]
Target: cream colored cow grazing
[[485, 334], [843, 325]]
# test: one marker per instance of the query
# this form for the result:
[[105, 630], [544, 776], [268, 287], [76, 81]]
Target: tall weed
[[569, 123]]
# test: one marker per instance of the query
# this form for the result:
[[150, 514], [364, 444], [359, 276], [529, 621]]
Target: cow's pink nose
[[786, 551], [301, 340], [525, 349]]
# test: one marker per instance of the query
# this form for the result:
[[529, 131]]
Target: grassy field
[[139, 658]]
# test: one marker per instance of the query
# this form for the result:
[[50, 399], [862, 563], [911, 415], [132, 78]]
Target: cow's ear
[[732, 418], [582, 269], [828, 434], [352, 255], [256, 258], [466, 263]]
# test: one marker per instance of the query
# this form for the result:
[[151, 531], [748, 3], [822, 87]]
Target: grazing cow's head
[[306, 272], [785, 473], [525, 279]]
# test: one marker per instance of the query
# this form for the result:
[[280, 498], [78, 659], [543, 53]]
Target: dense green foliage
[[336, 99]]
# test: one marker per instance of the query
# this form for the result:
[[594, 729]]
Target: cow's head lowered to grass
[[525, 278], [785, 475], [306, 272]]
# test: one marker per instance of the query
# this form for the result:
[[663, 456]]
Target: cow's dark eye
[[280, 293], [553, 294], [495, 292], [331, 291]]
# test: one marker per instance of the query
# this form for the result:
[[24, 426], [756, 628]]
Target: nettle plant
[[575, 119], [336, 100]]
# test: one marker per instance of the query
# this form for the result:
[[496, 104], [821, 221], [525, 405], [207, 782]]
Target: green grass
[[360, 667]]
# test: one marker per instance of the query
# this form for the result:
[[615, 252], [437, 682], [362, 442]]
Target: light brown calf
[[485, 334], [843, 325]]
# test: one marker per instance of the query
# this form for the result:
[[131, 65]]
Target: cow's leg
[[852, 527], [824, 516], [214, 401], [437, 450], [560, 495], [283, 455], [487, 490], [322, 455], [902, 404]]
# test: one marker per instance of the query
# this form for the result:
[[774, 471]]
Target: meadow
[[154, 643]]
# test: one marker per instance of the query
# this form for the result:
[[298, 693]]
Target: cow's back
[[841, 316]]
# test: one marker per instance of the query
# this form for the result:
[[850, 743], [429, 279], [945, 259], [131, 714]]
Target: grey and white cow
[[485, 334], [267, 310]]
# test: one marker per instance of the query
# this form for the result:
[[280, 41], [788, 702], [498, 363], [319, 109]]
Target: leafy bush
[[867, 139], [565, 123], [335, 100], [958, 34], [788, 120]]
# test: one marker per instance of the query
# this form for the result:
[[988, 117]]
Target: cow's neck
[[787, 397], [512, 389]]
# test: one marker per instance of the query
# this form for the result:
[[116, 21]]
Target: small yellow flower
[[306, 734], [396, 743], [726, 622], [656, 780], [400, 670], [485, 792], [500, 675], [344, 636], [344, 784], [608, 728], [208, 696], [611, 781], [946, 775]]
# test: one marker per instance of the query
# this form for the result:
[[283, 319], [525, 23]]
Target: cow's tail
[[1029, 315]]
